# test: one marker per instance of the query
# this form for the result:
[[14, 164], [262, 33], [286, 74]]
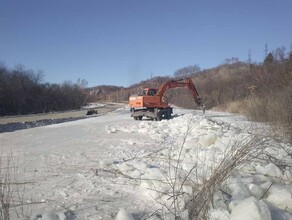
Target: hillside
[[102, 92], [261, 91], [121, 94]]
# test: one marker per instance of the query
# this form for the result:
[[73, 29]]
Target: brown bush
[[236, 107], [274, 108]]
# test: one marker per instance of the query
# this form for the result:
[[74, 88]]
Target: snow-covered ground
[[112, 166], [93, 105]]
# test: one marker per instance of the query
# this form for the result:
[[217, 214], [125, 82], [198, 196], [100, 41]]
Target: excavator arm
[[180, 83]]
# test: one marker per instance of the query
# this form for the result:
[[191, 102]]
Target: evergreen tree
[[269, 59]]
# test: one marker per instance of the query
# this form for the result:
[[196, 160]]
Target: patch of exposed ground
[[13, 123]]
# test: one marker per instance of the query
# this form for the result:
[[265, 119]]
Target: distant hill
[[205, 81], [122, 94], [103, 89], [102, 92]]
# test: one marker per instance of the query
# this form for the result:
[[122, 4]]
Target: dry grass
[[274, 108], [236, 107], [5, 187]]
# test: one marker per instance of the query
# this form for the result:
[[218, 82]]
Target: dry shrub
[[275, 108], [279, 110], [236, 106], [255, 109]]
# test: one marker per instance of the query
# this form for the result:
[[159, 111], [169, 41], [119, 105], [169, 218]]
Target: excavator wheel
[[158, 118], [167, 115], [138, 118]]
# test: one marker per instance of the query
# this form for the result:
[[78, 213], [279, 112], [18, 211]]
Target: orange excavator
[[151, 103]]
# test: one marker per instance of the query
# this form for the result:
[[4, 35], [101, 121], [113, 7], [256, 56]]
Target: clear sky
[[120, 42]]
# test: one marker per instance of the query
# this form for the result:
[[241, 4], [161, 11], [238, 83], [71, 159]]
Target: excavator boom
[[180, 83]]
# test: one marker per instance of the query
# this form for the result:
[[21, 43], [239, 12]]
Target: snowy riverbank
[[89, 169]]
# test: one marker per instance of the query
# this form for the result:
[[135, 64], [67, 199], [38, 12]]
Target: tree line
[[23, 91]]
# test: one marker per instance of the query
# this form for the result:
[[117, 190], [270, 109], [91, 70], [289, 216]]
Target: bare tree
[[187, 71]]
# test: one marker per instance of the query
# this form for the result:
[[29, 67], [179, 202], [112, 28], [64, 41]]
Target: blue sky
[[121, 42]]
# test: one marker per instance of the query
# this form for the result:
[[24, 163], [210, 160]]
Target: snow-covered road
[[89, 169]]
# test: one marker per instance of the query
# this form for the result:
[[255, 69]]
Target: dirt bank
[[12, 123]]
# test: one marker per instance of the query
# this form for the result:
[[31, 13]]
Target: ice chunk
[[207, 139], [219, 214], [205, 123], [124, 215], [269, 170], [255, 190], [188, 189], [288, 175], [35, 216], [238, 190], [50, 215], [105, 163], [142, 166], [280, 196], [261, 179], [279, 214], [109, 129], [113, 130], [233, 204], [272, 170], [248, 168], [185, 215], [265, 186], [135, 174], [61, 216], [153, 173], [251, 209], [188, 164], [147, 184], [190, 143], [125, 168]]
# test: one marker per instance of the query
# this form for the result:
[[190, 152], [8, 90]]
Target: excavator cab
[[152, 92], [148, 92]]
